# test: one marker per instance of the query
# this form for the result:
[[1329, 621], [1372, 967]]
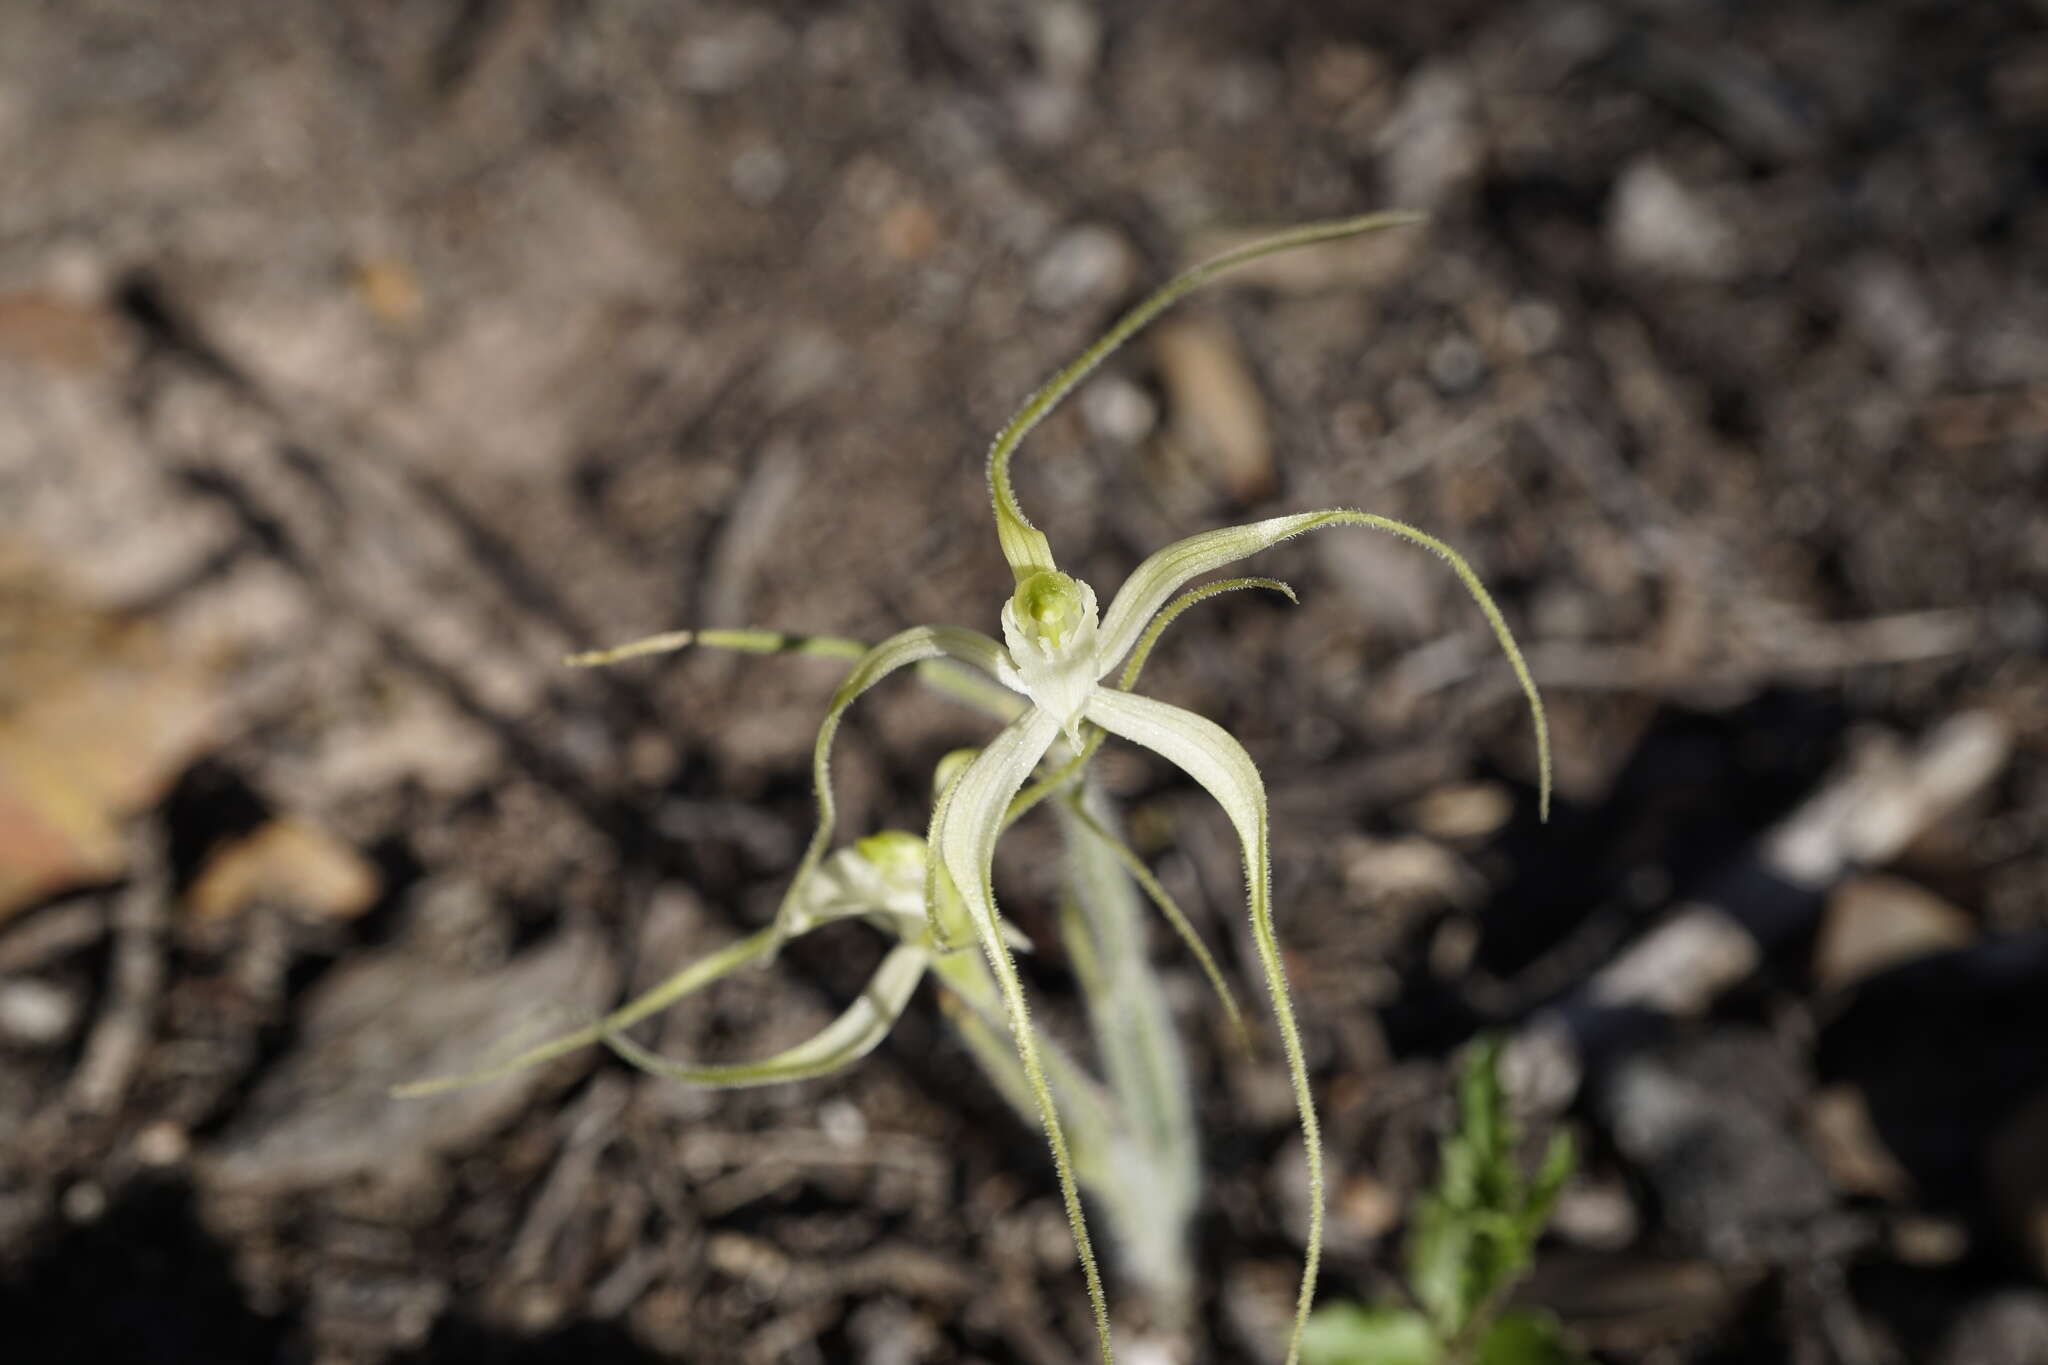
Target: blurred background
[[359, 360]]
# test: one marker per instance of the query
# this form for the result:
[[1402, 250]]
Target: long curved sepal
[[1024, 545], [1156, 579]]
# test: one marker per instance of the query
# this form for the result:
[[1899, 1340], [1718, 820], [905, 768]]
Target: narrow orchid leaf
[[973, 1005], [1155, 580], [965, 841], [1024, 546], [1160, 897], [853, 1035], [1207, 752]]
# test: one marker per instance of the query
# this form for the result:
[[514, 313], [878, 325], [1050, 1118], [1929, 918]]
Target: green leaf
[[1207, 752], [853, 1035], [1526, 1338], [1352, 1334], [1474, 1233]]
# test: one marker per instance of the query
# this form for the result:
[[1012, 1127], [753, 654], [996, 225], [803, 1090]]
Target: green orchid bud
[[895, 853]]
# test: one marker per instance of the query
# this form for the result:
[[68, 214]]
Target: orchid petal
[[1155, 580], [904, 648], [1136, 663], [694, 977], [1024, 545], [853, 1035], [964, 841], [1207, 752]]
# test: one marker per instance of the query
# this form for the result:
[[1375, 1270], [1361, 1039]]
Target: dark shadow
[[1681, 820], [458, 1341], [144, 1283], [1945, 1049]]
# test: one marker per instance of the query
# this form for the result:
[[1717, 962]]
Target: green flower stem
[[1151, 1203]]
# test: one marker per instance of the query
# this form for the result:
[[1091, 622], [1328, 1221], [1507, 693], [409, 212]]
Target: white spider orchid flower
[[1056, 652]]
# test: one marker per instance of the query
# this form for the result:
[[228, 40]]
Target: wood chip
[[1219, 416]]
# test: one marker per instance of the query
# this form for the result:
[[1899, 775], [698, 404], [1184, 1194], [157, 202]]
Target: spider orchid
[[1047, 678], [1057, 648]]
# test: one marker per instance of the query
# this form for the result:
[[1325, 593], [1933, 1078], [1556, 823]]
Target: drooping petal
[[904, 648], [692, 978], [1156, 580], [964, 840], [1024, 546], [845, 1040], [1207, 752]]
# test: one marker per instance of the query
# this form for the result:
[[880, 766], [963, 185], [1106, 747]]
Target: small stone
[[1117, 411], [1874, 922], [83, 1202], [391, 291], [1463, 812], [1922, 1240], [1532, 327], [1089, 263], [289, 864], [1368, 1208], [1846, 1140], [162, 1143], [1219, 415], [1431, 146], [1456, 364], [843, 1125], [34, 1013], [1595, 1213], [758, 173], [1657, 224], [724, 57], [1068, 38], [909, 230]]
